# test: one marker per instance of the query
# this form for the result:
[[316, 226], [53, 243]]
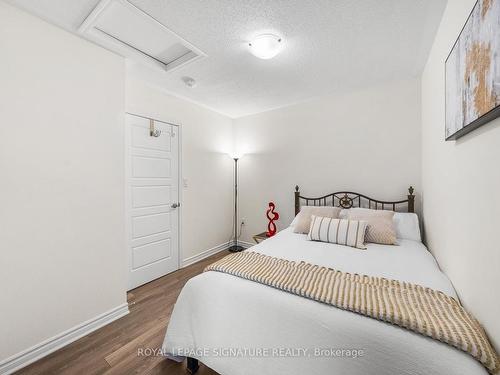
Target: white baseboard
[[245, 244], [205, 254], [214, 250], [26, 357]]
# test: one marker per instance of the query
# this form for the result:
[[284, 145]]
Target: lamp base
[[236, 248]]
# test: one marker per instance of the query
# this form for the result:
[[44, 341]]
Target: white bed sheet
[[216, 313]]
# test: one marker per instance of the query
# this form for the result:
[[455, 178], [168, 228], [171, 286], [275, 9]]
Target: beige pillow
[[304, 217], [381, 227]]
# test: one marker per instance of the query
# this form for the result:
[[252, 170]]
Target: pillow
[[344, 213], [381, 227], [304, 217], [407, 227], [294, 221], [340, 231]]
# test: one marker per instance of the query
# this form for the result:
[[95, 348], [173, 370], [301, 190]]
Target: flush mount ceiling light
[[266, 46]]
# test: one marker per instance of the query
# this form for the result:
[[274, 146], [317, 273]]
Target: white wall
[[461, 184], [62, 254], [206, 138], [366, 141]]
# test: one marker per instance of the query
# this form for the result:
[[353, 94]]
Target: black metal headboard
[[348, 199]]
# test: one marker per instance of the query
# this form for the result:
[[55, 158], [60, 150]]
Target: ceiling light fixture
[[266, 46]]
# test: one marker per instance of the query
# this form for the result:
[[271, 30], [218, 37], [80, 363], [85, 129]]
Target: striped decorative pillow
[[339, 231]]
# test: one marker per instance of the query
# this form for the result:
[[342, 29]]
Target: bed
[[239, 327]]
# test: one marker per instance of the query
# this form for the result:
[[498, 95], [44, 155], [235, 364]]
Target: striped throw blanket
[[422, 310]]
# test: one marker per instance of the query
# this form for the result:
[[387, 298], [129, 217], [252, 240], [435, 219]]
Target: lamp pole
[[235, 247]]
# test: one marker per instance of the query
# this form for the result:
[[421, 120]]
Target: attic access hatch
[[125, 29]]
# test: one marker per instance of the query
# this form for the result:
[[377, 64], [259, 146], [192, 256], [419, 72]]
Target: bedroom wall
[[62, 181], [366, 141], [206, 216], [461, 183]]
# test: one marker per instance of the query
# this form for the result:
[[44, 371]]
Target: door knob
[[175, 205]]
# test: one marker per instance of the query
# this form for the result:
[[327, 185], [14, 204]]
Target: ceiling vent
[[125, 29]]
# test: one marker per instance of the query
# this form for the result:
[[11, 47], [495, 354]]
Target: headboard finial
[[297, 199], [411, 199]]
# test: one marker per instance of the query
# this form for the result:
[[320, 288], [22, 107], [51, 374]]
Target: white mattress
[[216, 313]]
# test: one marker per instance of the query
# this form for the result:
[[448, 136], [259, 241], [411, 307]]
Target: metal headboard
[[348, 199]]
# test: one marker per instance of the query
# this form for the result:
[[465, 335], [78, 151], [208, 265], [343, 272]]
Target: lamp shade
[[236, 155]]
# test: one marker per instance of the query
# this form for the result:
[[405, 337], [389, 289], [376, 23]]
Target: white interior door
[[152, 168]]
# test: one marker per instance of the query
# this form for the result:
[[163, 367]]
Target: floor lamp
[[235, 247]]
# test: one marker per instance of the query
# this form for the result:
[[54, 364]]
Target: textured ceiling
[[330, 45]]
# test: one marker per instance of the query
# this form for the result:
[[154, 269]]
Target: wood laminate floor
[[113, 349]]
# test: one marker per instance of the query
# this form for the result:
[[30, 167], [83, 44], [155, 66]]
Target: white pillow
[[406, 223], [407, 227]]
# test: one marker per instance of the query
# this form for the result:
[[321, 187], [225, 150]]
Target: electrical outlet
[[243, 221]]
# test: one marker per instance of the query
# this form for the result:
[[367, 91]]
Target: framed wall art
[[473, 72]]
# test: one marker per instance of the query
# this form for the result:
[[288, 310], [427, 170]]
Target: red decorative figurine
[[272, 216]]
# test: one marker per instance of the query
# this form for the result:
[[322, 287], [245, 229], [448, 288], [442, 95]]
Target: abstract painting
[[473, 72]]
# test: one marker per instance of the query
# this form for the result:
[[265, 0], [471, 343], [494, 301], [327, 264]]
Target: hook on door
[[152, 131]]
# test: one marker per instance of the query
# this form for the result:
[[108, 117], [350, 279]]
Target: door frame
[[127, 165]]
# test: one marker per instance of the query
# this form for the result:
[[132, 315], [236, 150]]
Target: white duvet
[[236, 326]]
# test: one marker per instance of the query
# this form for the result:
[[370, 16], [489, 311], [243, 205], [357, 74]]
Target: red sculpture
[[271, 227]]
